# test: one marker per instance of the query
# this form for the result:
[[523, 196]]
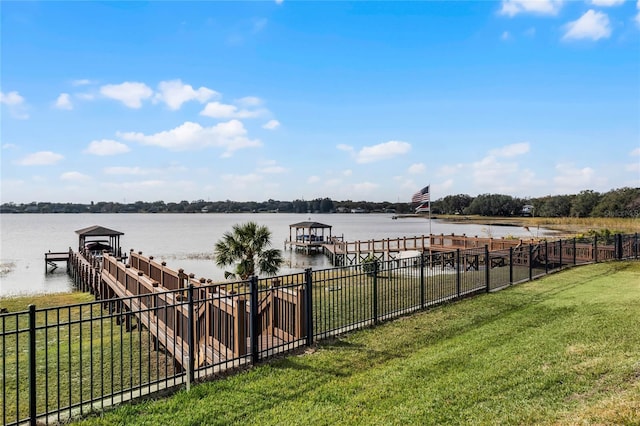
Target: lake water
[[186, 240]]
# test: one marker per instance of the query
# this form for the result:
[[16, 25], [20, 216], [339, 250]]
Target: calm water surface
[[186, 240]]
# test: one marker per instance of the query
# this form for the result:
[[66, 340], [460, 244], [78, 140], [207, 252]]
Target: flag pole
[[430, 210]]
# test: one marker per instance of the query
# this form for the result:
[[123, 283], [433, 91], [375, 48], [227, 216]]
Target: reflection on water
[[186, 240]]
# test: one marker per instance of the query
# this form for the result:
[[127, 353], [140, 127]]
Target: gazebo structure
[[98, 238], [308, 236]]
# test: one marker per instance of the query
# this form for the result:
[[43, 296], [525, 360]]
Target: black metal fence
[[68, 361]]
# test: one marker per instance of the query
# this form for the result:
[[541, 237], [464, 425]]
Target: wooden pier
[[52, 258], [355, 252]]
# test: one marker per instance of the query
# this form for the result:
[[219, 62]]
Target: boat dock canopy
[[94, 233]]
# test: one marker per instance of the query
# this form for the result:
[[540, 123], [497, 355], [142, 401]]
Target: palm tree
[[247, 248]]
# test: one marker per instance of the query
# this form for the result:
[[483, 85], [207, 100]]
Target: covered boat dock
[[309, 236]]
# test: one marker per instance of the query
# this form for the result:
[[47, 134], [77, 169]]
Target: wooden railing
[[221, 317]]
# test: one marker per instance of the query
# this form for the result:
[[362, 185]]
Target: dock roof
[[309, 224], [98, 231]]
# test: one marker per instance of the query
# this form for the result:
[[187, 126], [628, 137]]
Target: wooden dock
[[355, 252], [52, 258]]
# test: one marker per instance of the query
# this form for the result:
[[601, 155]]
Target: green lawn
[[560, 350]]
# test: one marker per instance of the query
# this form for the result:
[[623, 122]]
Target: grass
[[568, 226], [87, 355], [560, 350]]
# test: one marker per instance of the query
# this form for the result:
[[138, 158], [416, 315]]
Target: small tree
[[248, 248]]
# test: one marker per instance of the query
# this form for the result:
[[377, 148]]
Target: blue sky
[[106, 101]]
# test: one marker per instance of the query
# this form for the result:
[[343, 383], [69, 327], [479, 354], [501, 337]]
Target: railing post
[[487, 262], [458, 277], [530, 261], [190, 334], [254, 328], [595, 248], [510, 265], [635, 245], [375, 291], [422, 284], [309, 303], [618, 241], [575, 261], [32, 365]]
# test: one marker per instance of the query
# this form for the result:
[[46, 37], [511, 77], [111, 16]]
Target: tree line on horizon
[[622, 202]]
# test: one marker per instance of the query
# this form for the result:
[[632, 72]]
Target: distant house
[[527, 210]]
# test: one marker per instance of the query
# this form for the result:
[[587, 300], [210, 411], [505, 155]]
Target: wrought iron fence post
[[375, 291], [546, 257], [487, 268], [422, 289], [560, 251], [618, 242], [190, 336], [458, 277], [510, 265], [32, 365], [253, 320], [309, 303], [530, 261]]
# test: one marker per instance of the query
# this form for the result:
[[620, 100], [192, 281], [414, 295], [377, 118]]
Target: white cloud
[[531, 32], [75, 177], [347, 172], [417, 168], [541, 7], [633, 167], [638, 15], [15, 103], [607, 3], [343, 147], [448, 170], [572, 180], [511, 150], [229, 135], [174, 93], [11, 98], [122, 170], [136, 185], [259, 24], [592, 25], [279, 1], [106, 147], [81, 82], [313, 179], [382, 151], [9, 146], [271, 125], [490, 173], [64, 101], [41, 158], [365, 187], [242, 181], [85, 96], [272, 170], [219, 110], [505, 36], [249, 101], [635, 152], [131, 94]]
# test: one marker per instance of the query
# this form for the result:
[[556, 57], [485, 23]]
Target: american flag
[[421, 196]]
